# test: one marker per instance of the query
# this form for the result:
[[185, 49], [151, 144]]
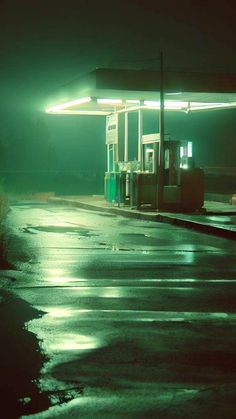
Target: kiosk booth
[[115, 94], [135, 183]]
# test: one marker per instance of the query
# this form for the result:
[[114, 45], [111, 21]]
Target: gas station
[[162, 175]]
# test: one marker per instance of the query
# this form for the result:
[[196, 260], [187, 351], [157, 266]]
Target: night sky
[[44, 44]]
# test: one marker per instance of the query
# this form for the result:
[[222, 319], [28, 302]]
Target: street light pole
[[160, 174]]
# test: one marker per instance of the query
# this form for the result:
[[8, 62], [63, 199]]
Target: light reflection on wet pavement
[[140, 316]]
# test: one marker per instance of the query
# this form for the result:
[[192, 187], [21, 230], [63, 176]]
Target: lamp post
[[160, 173]]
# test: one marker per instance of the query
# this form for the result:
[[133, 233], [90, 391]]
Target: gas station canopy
[[107, 91], [162, 173]]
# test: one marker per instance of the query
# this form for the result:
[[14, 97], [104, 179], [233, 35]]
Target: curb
[[200, 227], [192, 225]]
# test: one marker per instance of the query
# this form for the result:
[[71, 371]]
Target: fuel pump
[[110, 187]]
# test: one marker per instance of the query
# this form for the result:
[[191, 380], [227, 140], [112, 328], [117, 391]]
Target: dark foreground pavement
[[113, 317], [21, 359]]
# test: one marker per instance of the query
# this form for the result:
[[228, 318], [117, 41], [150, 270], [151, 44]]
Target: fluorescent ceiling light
[[69, 104], [176, 103], [173, 93], [190, 106], [195, 106], [77, 112], [169, 104], [151, 103]]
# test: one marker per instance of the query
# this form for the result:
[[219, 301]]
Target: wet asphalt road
[[123, 317]]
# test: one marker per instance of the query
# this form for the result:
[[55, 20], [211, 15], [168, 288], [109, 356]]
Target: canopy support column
[[160, 175], [126, 136], [140, 134]]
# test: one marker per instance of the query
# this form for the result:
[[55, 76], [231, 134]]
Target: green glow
[[69, 104], [109, 101]]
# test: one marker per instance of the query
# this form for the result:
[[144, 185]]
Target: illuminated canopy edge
[[105, 91]]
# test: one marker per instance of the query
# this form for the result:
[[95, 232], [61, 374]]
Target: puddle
[[59, 230], [115, 248], [120, 249]]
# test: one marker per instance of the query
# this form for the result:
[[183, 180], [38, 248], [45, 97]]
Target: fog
[[44, 45]]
